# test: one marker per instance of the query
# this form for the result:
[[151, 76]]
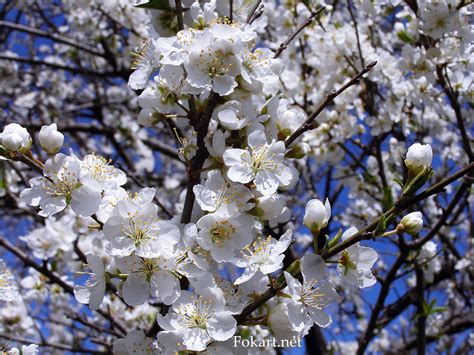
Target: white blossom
[[419, 157], [309, 299], [199, 319], [355, 262], [15, 137], [50, 139], [316, 214], [93, 293], [412, 223], [8, 287], [264, 255], [60, 186], [261, 163], [135, 227]]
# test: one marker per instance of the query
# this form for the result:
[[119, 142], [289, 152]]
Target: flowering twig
[[251, 14], [362, 234], [285, 44], [55, 279], [307, 125]]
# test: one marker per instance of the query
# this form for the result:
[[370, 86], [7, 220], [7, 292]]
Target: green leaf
[[399, 182], [335, 240], [381, 226], [418, 181], [387, 200], [3, 181], [405, 37], [154, 4]]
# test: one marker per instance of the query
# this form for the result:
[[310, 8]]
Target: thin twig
[[421, 320], [179, 14], [362, 234], [55, 37], [285, 44], [307, 125], [252, 12]]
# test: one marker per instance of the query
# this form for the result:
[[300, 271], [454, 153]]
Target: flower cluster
[[243, 218]]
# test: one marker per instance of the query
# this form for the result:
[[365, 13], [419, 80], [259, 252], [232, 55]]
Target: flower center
[[138, 230], [346, 262], [221, 231], [143, 57], [259, 160], [148, 267], [259, 250], [197, 313], [98, 167], [62, 183], [3, 282], [313, 296]]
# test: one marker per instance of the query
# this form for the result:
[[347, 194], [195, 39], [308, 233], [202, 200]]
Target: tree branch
[[307, 125]]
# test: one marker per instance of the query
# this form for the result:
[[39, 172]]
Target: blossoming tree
[[177, 175]]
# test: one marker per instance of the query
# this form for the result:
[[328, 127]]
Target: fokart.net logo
[[252, 342]]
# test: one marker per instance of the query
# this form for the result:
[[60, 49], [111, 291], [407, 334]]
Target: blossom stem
[[308, 124], [400, 206], [308, 21]]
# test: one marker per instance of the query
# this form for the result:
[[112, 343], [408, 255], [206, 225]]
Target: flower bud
[[419, 157], [299, 150], [15, 138], [411, 223], [269, 207], [50, 139], [289, 121], [317, 215]]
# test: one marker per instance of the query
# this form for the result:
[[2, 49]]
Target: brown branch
[[285, 44], [85, 72], [362, 234], [54, 278], [179, 14], [55, 37], [252, 12], [307, 125], [379, 304], [421, 320], [453, 100], [464, 322], [399, 207], [58, 346], [195, 166]]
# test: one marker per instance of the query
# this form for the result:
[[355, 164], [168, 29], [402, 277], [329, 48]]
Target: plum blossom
[[135, 343], [134, 227], [218, 195], [15, 137], [50, 139], [31, 349], [419, 157], [204, 16], [199, 319], [309, 299], [232, 115], [94, 291], [157, 277], [60, 186], [223, 236], [146, 60], [212, 63], [261, 163], [264, 255], [412, 223], [355, 262], [316, 215], [44, 242], [8, 287]]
